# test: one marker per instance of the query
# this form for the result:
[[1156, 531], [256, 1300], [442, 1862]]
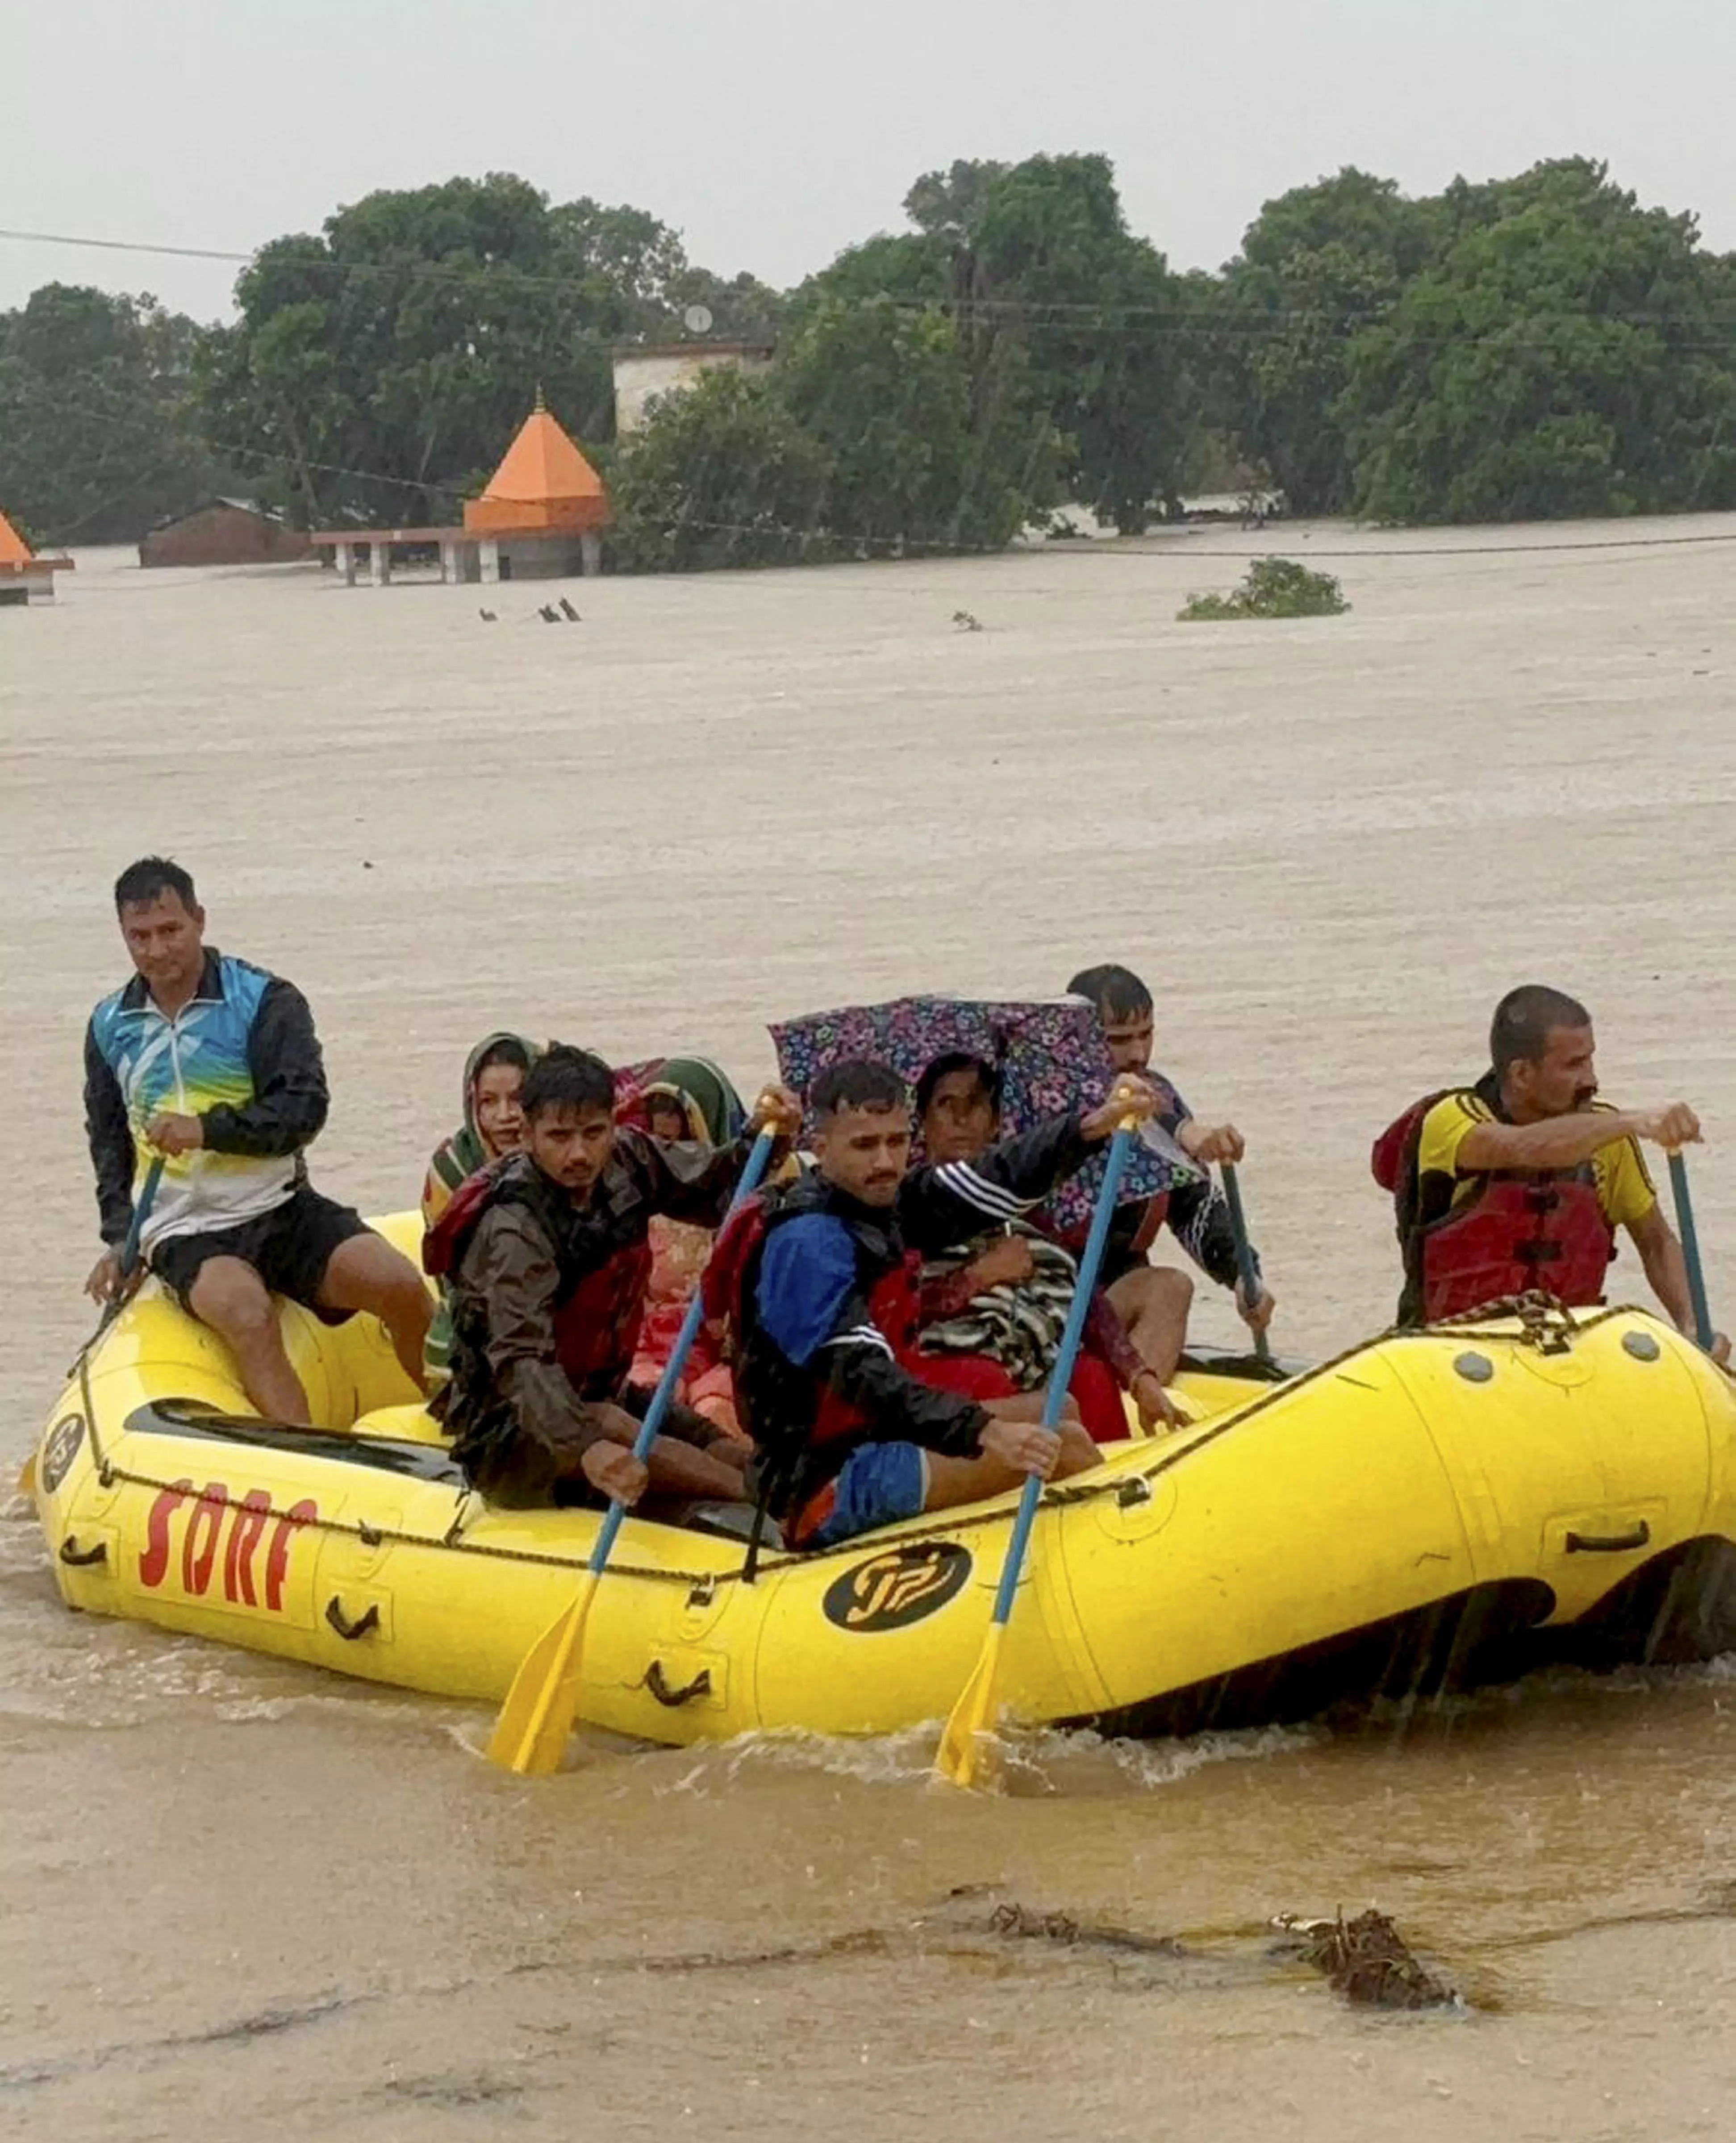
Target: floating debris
[[966, 623], [1022, 1923], [1368, 1962]]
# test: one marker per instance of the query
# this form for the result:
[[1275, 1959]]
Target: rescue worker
[[547, 1253], [1519, 1182], [1154, 1299], [820, 1284], [212, 1064]]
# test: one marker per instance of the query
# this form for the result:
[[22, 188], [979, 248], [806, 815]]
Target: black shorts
[[290, 1248]]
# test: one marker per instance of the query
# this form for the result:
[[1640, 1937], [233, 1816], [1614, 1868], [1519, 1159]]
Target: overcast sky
[[774, 132]]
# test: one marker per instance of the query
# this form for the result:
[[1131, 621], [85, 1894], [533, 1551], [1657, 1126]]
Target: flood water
[[238, 1896]]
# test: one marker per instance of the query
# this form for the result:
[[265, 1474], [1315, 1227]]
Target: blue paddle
[[535, 1721], [1245, 1265], [959, 1757], [122, 1294], [141, 1206], [1703, 1330], [129, 1258]]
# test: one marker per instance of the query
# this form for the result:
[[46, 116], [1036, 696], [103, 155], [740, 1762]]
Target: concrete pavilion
[[541, 517], [24, 577]]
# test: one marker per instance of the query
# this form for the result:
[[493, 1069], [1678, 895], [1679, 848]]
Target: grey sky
[[772, 133]]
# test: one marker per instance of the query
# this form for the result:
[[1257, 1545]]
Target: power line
[[1174, 320]]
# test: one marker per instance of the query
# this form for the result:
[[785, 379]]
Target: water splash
[[1034, 1761]]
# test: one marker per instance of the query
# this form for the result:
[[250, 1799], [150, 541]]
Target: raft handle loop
[[1637, 1536], [347, 1630], [370, 1536], [82, 1558], [1136, 1491], [672, 1700]]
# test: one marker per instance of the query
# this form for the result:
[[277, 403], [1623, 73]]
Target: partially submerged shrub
[[1273, 587]]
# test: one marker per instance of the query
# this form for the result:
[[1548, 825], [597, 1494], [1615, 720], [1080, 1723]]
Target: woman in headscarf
[[493, 1125], [688, 1097]]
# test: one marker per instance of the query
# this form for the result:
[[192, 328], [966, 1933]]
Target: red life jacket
[[894, 1310], [1515, 1233]]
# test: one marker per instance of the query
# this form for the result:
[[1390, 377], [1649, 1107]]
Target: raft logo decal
[[59, 1448], [245, 1518], [892, 1591]]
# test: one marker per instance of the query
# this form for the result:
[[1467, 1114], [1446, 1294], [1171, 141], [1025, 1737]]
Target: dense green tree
[[1319, 264], [924, 451], [1099, 312], [947, 205], [1568, 353], [382, 366], [98, 438], [720, 475]]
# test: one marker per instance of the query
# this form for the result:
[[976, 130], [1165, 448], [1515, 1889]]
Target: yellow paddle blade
[[27, 1477], [960, 1758], [536, 1721]]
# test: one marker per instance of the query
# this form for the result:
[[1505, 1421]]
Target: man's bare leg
[[683, 1469], [1153, 1303], [954, 1481], [366, 1273], [678, 1469], [229, 1296]]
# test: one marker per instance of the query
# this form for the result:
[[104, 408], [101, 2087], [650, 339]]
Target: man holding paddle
[[547, 1252], [212, 1066], [1519, 1182], [821, 1290]]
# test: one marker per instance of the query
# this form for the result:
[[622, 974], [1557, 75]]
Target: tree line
[[1527, 347]]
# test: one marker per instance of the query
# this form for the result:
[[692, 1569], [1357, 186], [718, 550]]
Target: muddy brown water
[[237, 1897]]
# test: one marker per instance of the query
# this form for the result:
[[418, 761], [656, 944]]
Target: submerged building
[[542, 517], [24, 577], [224, 531]]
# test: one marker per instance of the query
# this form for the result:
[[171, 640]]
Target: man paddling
[[1158, 1298], [1520, 1181], [547, 1253], [820, 1284], [214, 1065]]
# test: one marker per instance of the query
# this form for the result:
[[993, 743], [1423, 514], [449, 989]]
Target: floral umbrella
[[1050, 1054]]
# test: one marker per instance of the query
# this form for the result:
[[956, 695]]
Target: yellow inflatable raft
[[1432, 1506]]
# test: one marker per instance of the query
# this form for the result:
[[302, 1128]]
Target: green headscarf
[[713, 1107], [455, 1158]]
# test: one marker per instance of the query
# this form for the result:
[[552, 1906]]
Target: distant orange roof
[[544, 481], [14, 551]]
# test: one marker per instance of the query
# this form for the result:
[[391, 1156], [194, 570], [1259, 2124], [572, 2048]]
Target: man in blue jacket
[[214, 1065], [826, 1311]]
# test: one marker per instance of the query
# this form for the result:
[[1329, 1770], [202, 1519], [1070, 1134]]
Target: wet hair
[[857, 1083], [1524, 1020], [507, 1050], [149, 879], [564, 1077], [958, 1060], [1117, 992]]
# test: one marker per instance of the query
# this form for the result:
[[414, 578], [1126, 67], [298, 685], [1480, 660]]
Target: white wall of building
[[641, 375]]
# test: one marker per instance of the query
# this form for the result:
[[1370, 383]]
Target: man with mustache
[[1520, 1181], [819, 1287], [548, 1254], [210, 1067]]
